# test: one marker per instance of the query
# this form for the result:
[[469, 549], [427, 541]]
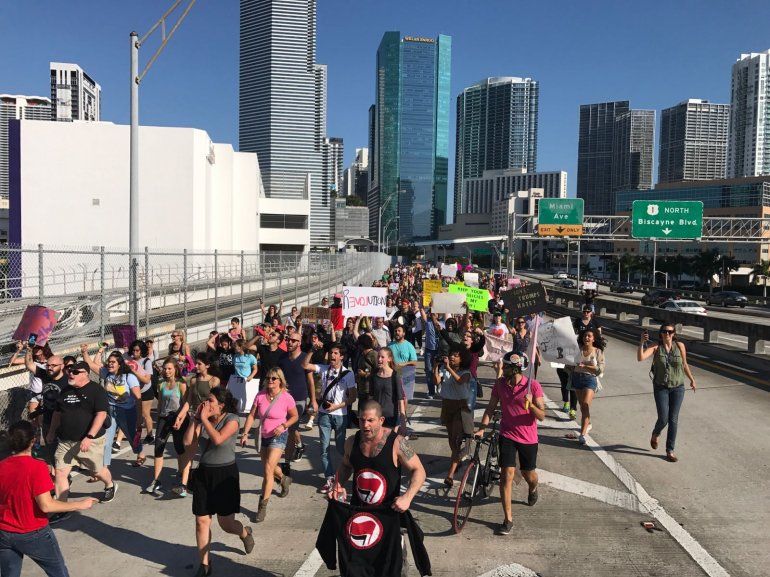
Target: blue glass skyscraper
[[410, 136]]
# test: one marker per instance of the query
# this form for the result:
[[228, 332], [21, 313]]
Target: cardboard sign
[[37, 320], [522, 300], [449, 270], [477, 299], [315, 313], [448, 303], [471, 279], [366, 301], [429, 287], [124, 335], [495, 348], [557, 342]]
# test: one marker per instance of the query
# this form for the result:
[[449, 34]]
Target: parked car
[[688, 286], [684, 306], [565, 283], [560, 274], [658, 296], [727, 298], [621, 287]]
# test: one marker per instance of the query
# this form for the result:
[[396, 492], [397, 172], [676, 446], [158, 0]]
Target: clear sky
[[654, 54]]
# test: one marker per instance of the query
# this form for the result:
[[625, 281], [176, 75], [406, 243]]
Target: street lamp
[[497, 251], [133, 194], [385, 229], [380, 232], [665, 275]]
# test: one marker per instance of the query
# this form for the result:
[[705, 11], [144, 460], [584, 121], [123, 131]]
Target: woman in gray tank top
[[215, 483]]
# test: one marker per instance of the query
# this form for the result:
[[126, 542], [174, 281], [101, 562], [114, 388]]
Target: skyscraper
[[634, 138], [74, 94], [15, 107], [749, 144], [356, 176], [496, 129], [282, 115], [693, 141], [409, 127]]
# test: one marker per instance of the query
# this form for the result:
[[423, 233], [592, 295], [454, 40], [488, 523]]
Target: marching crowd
[[289, 377]]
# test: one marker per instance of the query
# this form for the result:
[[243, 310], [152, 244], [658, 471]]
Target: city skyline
[[573, 63]]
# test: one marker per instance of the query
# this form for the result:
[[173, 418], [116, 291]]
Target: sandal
[[448, 483], [139, 462]]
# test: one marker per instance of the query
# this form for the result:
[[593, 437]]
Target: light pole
[[665, 276], [133, 194], [511, 227], [497, 252], [380, 232], [385, 229]]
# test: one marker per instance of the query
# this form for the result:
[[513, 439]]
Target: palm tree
[[706, 264], [642, 265], [626, 264], [763, 269]]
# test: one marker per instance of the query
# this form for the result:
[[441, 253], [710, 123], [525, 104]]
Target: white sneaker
[[307, 426], [154, 488]]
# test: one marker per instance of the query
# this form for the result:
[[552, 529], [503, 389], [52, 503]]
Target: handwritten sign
[[429, 287], [37, 320], [524, 299], [393, 287], [448, 303], [471, 279], [495, 348], [449, 270], [433, 271], [557, 342], [367, 301], [477, 299], [315, 313]]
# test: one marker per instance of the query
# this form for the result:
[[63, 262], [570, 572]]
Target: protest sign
[[448, 303], [557, 342], [449, 270], [124, 335], [590, 285], [314, 313], [433, 271], [393, 287], [524, 299], [408, 377], [495, 348], [471, 279], [37, 320], [367, 301], [428, 288], [477, 299], [512, 282]]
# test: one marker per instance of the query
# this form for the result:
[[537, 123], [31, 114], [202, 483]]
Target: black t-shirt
[[52, 388], [296, 376], [225, 364], [78, 407], [581, 327], [268, 359]]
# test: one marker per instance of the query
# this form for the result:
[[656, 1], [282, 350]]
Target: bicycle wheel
[[466, 494]]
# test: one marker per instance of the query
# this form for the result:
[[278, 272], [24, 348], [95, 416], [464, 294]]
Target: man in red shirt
[[522, 406]]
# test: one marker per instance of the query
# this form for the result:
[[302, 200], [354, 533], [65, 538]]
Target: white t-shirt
[[337, 393], [499, 330]]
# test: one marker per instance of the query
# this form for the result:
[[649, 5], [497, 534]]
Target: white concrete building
[[748, 151], [17, 107], [74, 94], [193, 194], [484, 193]]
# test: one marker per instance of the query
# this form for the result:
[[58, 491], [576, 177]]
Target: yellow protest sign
[[430, 287]]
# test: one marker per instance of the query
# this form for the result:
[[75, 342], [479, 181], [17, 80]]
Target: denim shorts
[[583, 381], [276, 441]]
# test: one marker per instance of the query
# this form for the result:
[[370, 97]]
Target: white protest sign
[[471, 279], [557, 342], [449, 270], [495, 348], [363, 301], [590, 285], [393, 287], [433, 271], [448, 303]]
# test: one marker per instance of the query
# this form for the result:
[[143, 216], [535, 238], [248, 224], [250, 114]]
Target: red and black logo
[[364, 531], [371, 486]]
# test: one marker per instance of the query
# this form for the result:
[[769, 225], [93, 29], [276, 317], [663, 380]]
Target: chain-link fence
[[175, 290]]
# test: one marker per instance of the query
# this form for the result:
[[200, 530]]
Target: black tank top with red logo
[[376, 480]]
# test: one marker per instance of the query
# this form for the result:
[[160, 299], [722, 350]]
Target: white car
[[560, 274], [683, 306]]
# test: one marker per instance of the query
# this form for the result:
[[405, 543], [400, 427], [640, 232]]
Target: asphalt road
[[713, 505]]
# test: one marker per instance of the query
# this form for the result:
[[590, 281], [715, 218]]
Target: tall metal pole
[[379, 231], [654, 262], [133, 189], [578, 266], [511, 227], [567, 256]]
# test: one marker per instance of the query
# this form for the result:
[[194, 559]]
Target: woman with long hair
[[276, 410], [25, 503], [171, 390], [141, 366], [669, 369], [387, 388], [585, 376], [179, 349], [215, 483]]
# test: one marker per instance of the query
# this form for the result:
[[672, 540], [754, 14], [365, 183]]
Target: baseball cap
[[80, 365], [517, 360]]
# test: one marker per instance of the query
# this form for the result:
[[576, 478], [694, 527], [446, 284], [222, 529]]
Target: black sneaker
[[532, 498], [505, 528], [299, 451], [109, 493], [58, 517], [149, 439]]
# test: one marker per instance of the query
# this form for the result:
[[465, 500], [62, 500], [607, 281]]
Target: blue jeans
[[326, 424], [430, 358], [126, 420], [668, 402], [40, 546]]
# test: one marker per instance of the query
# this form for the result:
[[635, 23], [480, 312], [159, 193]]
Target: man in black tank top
[[375, 457]]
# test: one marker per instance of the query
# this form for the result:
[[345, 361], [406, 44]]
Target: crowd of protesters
[[287, 374]]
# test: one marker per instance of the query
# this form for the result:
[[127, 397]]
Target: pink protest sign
[[37, 320], [512, 282], [124, 335]]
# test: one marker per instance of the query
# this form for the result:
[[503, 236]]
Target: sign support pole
[[578, 267], [654, 262]]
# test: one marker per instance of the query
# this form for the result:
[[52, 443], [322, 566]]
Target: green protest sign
[[477, 299]]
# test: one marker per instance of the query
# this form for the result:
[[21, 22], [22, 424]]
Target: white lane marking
[[687, 541], [742, 369], [512, 570], [591, 490], [311, 565]]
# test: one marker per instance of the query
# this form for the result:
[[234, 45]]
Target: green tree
[[353, 200], [706, 264], [763, 270]]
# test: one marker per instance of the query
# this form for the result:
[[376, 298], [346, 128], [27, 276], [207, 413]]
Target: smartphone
[[32, 340]]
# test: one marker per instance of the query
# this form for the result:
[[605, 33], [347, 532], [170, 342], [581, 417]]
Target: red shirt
[[21, 480], [517, 423]]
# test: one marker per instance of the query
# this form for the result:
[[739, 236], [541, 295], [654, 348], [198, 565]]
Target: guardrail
[[756, 334]]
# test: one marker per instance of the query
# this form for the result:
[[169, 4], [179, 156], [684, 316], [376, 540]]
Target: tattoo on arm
[[405, 449]]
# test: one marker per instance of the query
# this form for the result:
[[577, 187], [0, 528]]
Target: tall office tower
[[595, 145], [282, 115], [496, 129], [333, 149], [748, 151], [357, 175], [15, 107], [634, 138], [693, 141], [410, 127], [74, 94]]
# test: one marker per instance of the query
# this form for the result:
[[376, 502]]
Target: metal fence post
[[296, 279], [262, 273], [216, 289], [40, 279], [280, 275], [242, 281], [146, 294], [101, 294], [309, 289], [184, 287], [320, 275]]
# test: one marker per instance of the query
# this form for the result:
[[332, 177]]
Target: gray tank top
[[168, 399], [218, 455]]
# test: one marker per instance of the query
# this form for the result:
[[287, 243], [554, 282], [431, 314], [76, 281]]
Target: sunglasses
[[75, 371], [273, 378], [665, 332], [521, 322]]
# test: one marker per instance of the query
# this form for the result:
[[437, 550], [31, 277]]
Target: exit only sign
[[560, 217]]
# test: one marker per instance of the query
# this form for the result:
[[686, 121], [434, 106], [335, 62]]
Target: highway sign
[[560, 217], [667, 219]]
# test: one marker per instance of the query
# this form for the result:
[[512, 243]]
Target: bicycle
[[478, 479]]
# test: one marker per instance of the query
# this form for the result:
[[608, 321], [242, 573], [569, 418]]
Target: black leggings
[[164, 428], [567, 394]]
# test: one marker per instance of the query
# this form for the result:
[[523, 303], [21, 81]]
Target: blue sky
[[654, 54]]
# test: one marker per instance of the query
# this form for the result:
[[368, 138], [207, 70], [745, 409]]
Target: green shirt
[[668, 367]]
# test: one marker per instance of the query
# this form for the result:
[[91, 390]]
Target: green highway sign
[[560, 217], [667, 219]]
